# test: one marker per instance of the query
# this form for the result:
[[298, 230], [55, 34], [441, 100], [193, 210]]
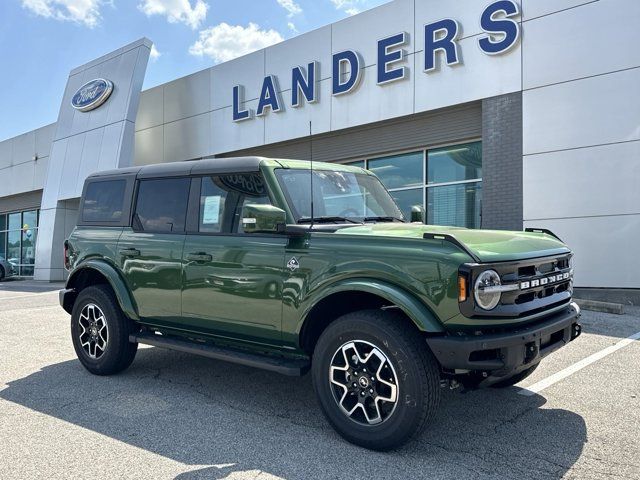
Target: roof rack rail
[[542, 230], [451, 239]]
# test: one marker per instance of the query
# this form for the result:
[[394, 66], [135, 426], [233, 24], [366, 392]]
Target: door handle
[[199, 257], [130, 252]]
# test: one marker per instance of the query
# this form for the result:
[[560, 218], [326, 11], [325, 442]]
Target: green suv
[[271, 264]]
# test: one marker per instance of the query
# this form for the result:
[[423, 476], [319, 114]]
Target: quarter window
[[103, 201], [161, 205]]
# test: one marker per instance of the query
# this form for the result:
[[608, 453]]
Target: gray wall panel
[[149, 146], [151, 111], [429, 129], [24, 148], [187, 96]]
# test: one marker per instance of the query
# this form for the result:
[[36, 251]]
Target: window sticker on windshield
[[211, 210]]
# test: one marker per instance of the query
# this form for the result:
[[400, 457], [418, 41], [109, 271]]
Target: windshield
[[352, 196]]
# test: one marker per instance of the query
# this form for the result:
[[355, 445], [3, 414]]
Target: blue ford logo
[[92, 94]]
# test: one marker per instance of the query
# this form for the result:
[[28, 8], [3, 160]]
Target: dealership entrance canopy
[[507, 115]]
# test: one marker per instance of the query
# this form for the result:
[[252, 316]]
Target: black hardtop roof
[[179, 169]]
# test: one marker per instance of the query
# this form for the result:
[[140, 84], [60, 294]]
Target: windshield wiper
[[383, 219], [327, 219]]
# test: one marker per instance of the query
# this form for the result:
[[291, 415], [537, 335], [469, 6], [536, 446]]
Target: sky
[[42, 40]]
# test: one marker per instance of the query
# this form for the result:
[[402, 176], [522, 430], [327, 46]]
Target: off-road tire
[[418, 377], [517, 378], [119, 352]]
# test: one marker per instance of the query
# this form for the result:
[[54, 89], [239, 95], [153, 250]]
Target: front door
[[232, 280], [150, 253]]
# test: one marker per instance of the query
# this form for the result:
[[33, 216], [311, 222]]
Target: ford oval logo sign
[[92, 94]]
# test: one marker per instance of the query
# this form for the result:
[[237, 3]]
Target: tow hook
[[450, 383], [576, 331], [531, 351]]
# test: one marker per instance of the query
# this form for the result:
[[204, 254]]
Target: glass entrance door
[[18, 233]]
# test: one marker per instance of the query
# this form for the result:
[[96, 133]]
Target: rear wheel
[[375, 378], [517, 378], [2, 274], [100, 332]]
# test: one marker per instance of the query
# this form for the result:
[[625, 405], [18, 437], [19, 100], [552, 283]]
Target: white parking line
[[35, 294], [562, 374]]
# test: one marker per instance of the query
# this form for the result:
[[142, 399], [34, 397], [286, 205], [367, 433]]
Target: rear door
[[233, 281], [150, 252]]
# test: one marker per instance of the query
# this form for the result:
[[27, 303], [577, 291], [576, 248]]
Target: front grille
[[539, 284]]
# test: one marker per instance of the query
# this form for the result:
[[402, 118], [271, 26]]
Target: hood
[[488, 245]]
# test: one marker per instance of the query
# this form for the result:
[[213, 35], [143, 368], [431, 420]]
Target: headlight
[[485, 292]]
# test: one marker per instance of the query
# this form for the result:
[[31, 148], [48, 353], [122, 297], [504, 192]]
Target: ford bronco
[[274, 265]]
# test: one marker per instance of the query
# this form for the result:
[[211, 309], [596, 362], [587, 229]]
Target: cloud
[[155, 54], [225, 42], [177, 11], [83, 12], [290, 6], [352, 7], [292, 27]]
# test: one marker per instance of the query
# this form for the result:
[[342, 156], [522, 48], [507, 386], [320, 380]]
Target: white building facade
[[505, 114]]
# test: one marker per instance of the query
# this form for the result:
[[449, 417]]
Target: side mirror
[[263, 219], [418, 215]]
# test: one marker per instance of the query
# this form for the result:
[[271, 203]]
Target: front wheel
[[375, 378], [100, 332]]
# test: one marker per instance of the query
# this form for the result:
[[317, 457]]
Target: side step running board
[[284, 366]]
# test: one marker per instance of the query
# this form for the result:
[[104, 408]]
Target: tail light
[[67, 260]]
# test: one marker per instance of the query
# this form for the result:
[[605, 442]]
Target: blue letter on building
[[506, 28], [339, 60], [386, 58], [440, 37], [268, 96], [305, 84], [238, 99]]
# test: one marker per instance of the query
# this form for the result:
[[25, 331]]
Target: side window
[[223, 197], [103, 201], [161, 205], [212, 202]]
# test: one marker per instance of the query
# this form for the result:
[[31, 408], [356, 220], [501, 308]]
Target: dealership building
[[500, 115]]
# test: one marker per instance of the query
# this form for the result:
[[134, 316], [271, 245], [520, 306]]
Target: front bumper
[[505, 354]]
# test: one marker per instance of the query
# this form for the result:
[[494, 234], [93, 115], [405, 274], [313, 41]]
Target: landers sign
[[501, 33]]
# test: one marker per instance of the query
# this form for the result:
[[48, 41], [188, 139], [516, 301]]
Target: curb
[[604, 307]]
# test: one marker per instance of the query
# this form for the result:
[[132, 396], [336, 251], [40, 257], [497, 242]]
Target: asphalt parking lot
[[173, 415]]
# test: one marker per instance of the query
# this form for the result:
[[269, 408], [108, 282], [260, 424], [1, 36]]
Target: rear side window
[[103, 202], [161, 205]]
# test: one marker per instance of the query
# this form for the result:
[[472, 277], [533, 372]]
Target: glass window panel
[[453, 164], [399, 171], [103, 201], [29, 219], [358, 163], [28, 255], [455, 205], [13, 247], [15, 221], [3, 222], [162, 205], [407, 199], [3, 245]]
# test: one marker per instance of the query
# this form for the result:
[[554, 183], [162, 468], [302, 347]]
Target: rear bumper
[[505, 354]]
